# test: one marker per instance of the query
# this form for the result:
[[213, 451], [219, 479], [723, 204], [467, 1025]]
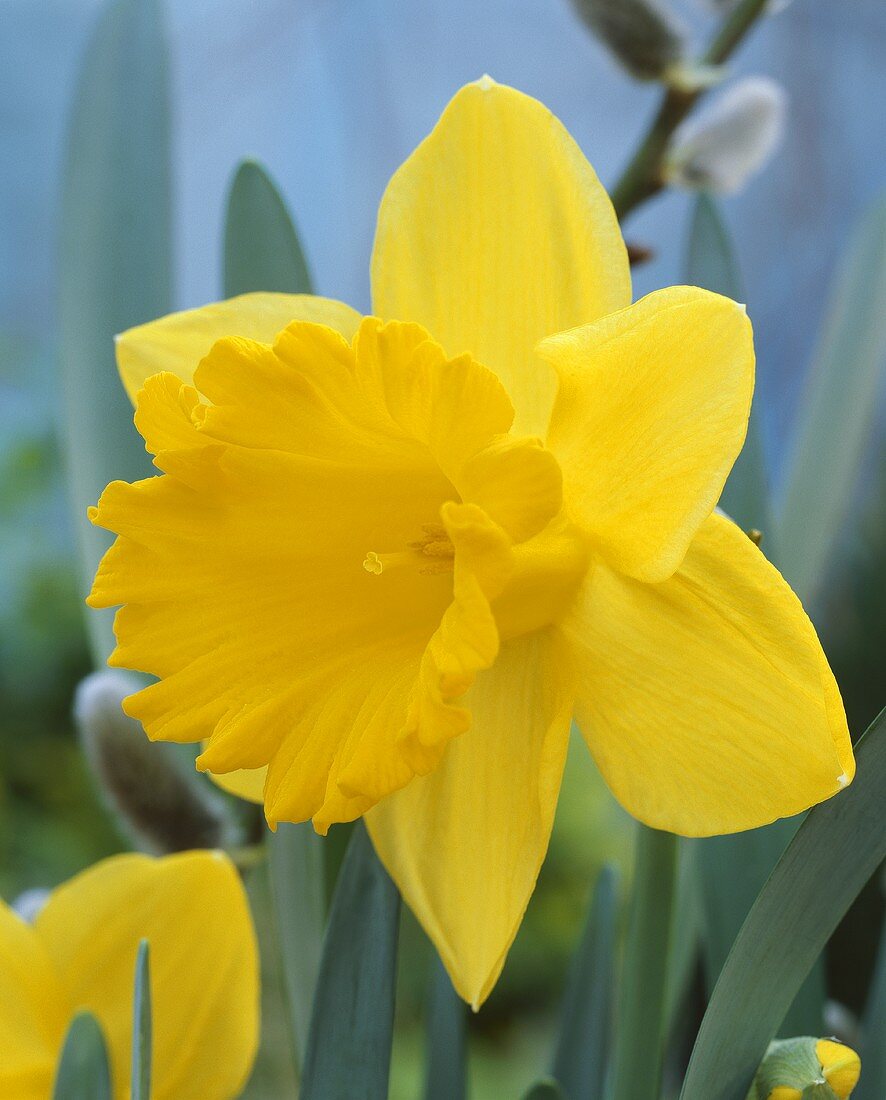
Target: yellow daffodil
[[80, 953], [389, 558]]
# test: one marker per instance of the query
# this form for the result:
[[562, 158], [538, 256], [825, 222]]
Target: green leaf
[[836, 850], [262, 253], [733, 870], [640, 1029], [872, 1085], [548, 1089], [583, 1044], [711, 264], [262, 249], [142, 1041], [446, 1077], [83, 1072], [297, 885], [686, 930], [835, 420], [115, 259], [353, 1020]]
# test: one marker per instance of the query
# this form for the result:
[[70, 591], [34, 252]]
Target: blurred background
[[331, 95]]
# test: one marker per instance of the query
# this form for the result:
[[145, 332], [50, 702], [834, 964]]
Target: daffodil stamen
[[432, 554]]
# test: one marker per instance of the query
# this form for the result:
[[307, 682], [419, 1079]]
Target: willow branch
[[644, 176]]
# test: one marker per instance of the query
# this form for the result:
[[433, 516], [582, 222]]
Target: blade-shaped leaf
[[835, 420], [262, 249], [115, 257], [872, 1085], [446, 1077], [297, 884], [711, 264], [353, 1020], [83, 1072], [640, 1026], [262, 252], [142, 1026], [836, 850], [581, 1057]]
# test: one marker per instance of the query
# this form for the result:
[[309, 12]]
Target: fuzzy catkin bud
[[163, 809], [806, 1069], [642, 34], [721, 147]]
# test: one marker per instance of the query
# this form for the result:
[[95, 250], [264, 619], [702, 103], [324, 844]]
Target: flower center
[[432, 554]]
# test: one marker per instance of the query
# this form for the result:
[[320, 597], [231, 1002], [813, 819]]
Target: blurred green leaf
[[583, 1044], [732, 869], [640, 1025], [835, 420], [353, 1019], [711, 264], [297, 885], [446, 1076], [83, 1072], [685, 933], [262, 252], [142, 1040], [262, 249], [872, 1085], [545, 1090], [836, 850], [115, 259]]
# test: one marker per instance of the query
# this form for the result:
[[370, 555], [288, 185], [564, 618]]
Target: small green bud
[[806, 1069], [160, 806], [642, 34]]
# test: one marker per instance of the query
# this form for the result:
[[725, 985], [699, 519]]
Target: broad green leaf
[[446, 1077], [711, 264], [115, 256], [83, 1072], [640, 1026], [262, 249], [732, 869], [142, 1026], [547, 1089], [262, 253], [297, 886], [835, 420], [872, 1085], [353, 1020], [583, 1043], [836, 850]]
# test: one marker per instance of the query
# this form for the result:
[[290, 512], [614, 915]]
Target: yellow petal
[[465, 843], [34, 1012], [204, 979], [179, 341], [496, 233], [840, 1065], [706, 700], [651, 414]]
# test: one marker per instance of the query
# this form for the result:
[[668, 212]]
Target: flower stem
[[639, 1041], [643, 176]]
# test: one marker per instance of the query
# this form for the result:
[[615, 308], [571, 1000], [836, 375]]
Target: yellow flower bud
[[840, 1066], [806, 1069]]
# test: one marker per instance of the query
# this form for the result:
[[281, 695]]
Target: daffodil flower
[[390, 558], [80, 953]]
